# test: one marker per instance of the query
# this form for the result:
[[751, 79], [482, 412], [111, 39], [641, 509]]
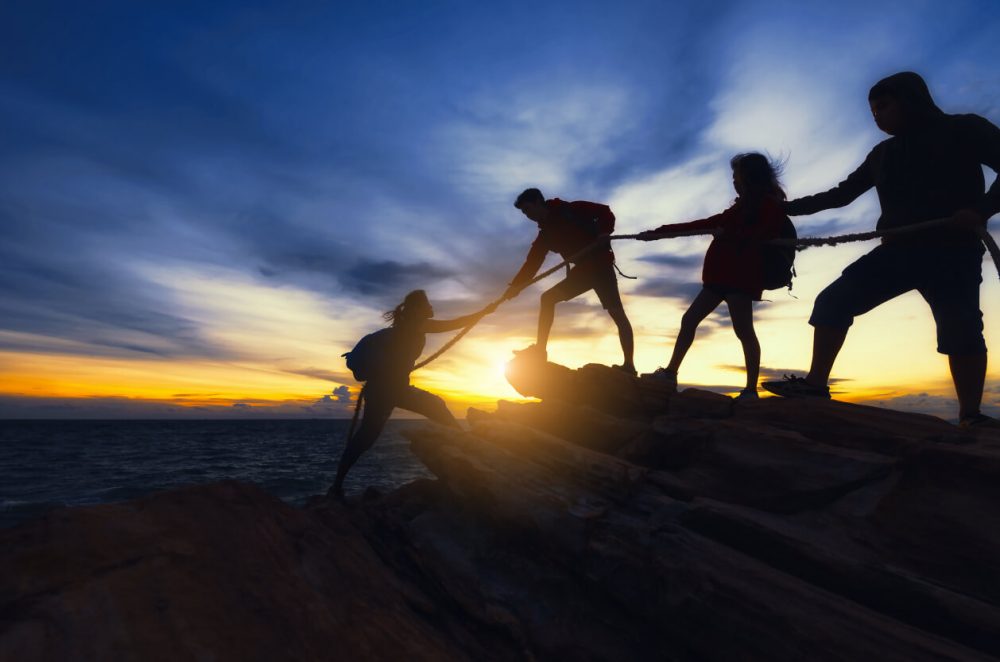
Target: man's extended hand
[[512, 291], [648, 235]]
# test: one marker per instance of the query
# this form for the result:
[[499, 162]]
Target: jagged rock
[[220, 572], [695, 403], [597, 386], [608, 521], [586, 426], [605, 527]]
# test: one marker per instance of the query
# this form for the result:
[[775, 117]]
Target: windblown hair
[[399, 313], [529, 195], [759, 175]]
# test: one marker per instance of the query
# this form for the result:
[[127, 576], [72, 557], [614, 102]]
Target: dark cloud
[[320, 373], [667, 288], [681, 262], [389, 277]]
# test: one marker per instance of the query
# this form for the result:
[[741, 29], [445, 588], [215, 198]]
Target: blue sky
[[162, 158]]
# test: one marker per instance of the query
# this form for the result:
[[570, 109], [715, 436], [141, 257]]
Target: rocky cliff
[[610, 520]]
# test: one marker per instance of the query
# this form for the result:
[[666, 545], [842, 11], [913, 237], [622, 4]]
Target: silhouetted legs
[[741, 313], [947, 276], [827, 342], [546, 316], [968, 372], [700, 308], [625, 334], [379, 403], [601, 279]]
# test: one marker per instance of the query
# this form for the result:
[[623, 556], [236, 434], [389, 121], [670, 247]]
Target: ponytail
[[399, 313]]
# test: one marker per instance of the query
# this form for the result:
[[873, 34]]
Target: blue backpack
[[369, 354]]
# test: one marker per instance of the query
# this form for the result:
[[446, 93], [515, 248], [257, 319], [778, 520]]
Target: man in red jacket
[[567, 228]]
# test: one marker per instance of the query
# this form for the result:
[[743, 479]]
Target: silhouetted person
[[734, 263], [930, 168], [389, 386], [567, 228]]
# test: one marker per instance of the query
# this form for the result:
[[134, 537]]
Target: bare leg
[[625, 335], [741, 312], [969, 373], [427, 404], [546, 315], [827, 342], [377, 412], [703, 304]]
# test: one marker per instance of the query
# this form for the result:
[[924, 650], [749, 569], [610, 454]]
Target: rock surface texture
[[610, 521]]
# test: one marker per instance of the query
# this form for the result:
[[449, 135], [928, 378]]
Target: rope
[[801, 244], [490, 307], [357, 410]]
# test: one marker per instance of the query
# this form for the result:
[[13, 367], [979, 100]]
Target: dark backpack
[[581, 220], [779, 261], [370, 353]]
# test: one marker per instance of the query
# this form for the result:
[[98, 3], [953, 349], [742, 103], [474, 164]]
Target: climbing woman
[[734, 263], [384, 360]]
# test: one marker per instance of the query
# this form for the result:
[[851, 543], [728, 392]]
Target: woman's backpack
[[370, 353], [779, 261]]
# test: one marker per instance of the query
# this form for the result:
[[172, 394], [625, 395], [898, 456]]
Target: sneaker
[[980, 422], [747, 395], [665, 377], [532, 351], [796, 387], [627, 369]]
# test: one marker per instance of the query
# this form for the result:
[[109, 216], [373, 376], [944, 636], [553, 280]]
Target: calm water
[[46, 464]]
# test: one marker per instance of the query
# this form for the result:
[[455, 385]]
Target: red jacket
[[734, 258], [570, 227]]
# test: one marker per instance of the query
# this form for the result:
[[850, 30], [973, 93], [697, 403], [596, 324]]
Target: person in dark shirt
[[389, 385], [930, 168], [567, 228], [734, 263]]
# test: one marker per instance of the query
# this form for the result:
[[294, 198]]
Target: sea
[[53, 463]]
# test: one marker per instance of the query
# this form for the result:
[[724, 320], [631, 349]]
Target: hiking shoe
[[747, 395], [533, 352], [627, 369], [796, 387], [980, 422], [666, 377]]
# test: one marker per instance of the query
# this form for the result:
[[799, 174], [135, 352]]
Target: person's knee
[[745, 333], [549, 299], [690, 321], [961, 337], [832, 308], [617, 314]]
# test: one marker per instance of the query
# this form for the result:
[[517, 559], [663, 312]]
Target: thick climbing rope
[[801, 243]]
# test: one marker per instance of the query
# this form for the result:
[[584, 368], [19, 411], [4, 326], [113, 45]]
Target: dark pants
[[947, 276], [380, 400]]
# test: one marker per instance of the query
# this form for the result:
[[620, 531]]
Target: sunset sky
[[204, 204]]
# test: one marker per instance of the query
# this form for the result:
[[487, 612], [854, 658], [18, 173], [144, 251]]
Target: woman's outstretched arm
[[440, 326], [710, 223]]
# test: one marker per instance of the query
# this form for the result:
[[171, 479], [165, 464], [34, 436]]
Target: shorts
[[583, 278], [947, 276]]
